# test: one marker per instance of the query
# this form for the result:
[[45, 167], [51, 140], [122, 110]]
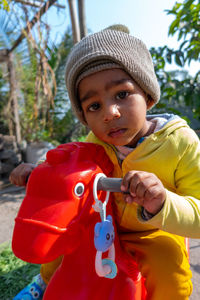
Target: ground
[[10, 200]]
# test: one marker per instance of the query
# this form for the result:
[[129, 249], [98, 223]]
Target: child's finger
[[154, 199], [128, 199], [139, 183], [142, 186], [126, 180], [22, 180], [11, 179]]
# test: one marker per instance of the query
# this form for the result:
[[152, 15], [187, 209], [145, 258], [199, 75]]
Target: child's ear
[[150, 102]]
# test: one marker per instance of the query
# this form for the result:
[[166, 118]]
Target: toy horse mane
[[95, 152]]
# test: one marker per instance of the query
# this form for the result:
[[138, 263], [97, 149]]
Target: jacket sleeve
[[181, 211]]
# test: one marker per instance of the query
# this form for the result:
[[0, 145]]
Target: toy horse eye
[[107, 236], [79, 189]]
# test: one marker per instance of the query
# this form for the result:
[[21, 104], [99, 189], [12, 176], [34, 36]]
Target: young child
[[111, 84]]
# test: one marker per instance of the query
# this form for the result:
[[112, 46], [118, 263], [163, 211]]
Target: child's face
[[114, 107]]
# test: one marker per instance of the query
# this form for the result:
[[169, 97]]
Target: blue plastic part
[[104, 235], [113, 266], [33, 291]]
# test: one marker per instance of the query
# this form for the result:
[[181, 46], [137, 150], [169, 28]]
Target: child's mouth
[[116, 132]]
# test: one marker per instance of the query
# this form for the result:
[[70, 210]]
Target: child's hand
[[145, 189], [19, 176]]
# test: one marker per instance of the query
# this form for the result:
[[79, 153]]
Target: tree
[[37, 63], [3, 101], [4, 4], [180, 91], [187, 25], [36, 90], [11, 110]]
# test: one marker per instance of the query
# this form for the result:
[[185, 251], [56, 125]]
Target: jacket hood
[[170, 123]]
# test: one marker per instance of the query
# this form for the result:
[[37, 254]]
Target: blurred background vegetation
[[40, 110]]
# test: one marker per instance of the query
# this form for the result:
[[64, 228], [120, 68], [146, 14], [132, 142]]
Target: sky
[[146, 19]]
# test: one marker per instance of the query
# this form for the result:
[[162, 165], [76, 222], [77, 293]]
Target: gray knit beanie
[[110, 49]]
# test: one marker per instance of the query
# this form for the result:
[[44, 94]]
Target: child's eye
[[94, 106], [122, 95]]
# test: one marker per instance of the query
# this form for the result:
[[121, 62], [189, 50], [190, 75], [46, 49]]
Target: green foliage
[[187, 25], [81, 138], [4, 5], [32, 111], [63, 126], [66, 127], [39, 119], [62, 52], [14, 274], [180, 93], [26, 74], [36, 86]]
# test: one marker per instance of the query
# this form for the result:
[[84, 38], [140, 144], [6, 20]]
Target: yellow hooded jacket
[[173, 154]]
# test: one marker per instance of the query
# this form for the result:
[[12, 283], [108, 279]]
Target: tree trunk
[[74, 21], [81, 13], [13, 97]]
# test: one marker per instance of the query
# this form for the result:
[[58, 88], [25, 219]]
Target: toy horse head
[[58, 201]]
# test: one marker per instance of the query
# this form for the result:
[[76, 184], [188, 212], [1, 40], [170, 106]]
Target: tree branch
[[4, 55], [30, 24], [35, 4]]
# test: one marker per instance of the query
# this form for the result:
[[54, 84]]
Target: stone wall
[[10, 156]]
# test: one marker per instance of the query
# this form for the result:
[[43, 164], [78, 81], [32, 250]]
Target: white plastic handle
[[99, 205], [103, 270]]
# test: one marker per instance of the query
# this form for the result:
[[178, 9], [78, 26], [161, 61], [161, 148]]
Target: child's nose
[[111, 112]]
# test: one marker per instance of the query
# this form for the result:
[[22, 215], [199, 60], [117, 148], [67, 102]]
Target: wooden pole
[[13, 97], [81, 14], [74, 21]]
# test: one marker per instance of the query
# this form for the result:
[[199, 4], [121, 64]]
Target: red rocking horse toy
[[63, 215]]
